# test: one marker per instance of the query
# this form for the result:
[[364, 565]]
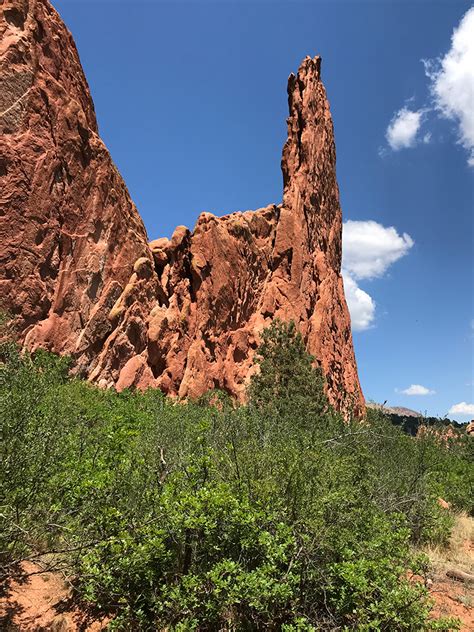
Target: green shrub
[[277, 515], [207, 556]]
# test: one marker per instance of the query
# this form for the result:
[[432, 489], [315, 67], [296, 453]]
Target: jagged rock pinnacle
[[185, 314]]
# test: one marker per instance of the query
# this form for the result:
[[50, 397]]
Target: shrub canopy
[[276, 515]]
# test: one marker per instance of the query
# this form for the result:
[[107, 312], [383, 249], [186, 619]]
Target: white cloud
[[369, 249], [417, 389], [461, 409], [403, 128], [361, 305], [452, 82]]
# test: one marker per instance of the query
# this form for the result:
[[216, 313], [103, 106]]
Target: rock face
[[69, 232], [183, 315]]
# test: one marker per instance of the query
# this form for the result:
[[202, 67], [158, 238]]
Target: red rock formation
[[183, 314], [69, 232]]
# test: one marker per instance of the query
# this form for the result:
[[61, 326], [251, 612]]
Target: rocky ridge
[[184, 315]]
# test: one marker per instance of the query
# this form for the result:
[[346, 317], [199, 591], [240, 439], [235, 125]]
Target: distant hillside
[[410, 420]]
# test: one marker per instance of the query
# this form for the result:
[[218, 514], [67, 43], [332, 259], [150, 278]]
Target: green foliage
[[455, 472], [277, 515], [206, 556], [287, 380]]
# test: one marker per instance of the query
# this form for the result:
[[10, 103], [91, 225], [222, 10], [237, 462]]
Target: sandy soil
[[39, 602], [454, 598]]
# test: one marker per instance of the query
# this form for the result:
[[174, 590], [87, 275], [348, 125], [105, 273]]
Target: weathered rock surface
[[184, 315]]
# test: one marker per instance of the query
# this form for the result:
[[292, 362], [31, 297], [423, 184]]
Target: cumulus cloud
[[462, 408], [361, 305], [452, 82], [417, 389], [451, 95], [403, 128], [369, 249]]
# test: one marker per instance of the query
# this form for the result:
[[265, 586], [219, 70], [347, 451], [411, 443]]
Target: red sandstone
[[184, 315]]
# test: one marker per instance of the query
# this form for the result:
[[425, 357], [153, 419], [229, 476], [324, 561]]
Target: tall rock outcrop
[[184, 315]]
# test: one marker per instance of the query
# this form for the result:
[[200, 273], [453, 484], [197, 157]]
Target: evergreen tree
[[288, 381]]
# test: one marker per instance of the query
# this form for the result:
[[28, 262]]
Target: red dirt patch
[[454, 599], [40, 601]]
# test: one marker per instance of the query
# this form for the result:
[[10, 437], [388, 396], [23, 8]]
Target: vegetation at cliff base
[[276, 515]]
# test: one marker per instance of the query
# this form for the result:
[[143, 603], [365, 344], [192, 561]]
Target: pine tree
[[288, 381]]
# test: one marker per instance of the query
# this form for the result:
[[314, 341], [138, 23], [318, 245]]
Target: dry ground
[[452, 597], [40, 601]]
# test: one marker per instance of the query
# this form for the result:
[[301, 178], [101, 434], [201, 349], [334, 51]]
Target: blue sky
[[191, 101]]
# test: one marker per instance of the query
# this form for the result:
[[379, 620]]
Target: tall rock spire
[[185, 314], [309, 160]]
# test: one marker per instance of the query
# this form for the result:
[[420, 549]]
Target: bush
[[275, 515]]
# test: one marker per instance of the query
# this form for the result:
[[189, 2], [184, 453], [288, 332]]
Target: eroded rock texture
[[184, 315]]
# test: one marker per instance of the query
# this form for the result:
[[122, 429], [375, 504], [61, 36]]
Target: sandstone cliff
[[184, 315]]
